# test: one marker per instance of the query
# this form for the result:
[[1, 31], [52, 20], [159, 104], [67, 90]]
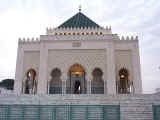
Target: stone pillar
[[42, 79], [64, 79], [105, 83], [19, 71], [88, 78], [137, 82], [111, 72], [48, 84]]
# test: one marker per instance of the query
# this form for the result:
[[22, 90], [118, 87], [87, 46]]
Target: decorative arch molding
[[124, 71], [97, 83], [30, 82], [55, 83], [76, 64], [76, 83], [56, 72], [124, 84], [31, 70], [76, 68], [97, 72]]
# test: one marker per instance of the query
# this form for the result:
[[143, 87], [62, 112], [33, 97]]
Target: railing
[[156, 112], [55, 90], [59, 112], [97, 90]]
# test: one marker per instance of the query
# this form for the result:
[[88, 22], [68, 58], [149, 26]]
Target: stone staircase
[[59, 112], [79, 107]]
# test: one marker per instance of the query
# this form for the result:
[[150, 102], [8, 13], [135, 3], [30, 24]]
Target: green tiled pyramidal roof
[[79, 21]]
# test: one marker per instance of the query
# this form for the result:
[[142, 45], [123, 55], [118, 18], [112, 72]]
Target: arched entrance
[[76, 83], [55, 84], [123, 84], [97, 83], [30, 84]]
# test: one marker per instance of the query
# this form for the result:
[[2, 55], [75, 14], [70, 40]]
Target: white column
[[64, 78], [19, 70], [137, 82], [111, 73], [88, 86], [88, 79], [105, 83], [63, 86], [42, 79]]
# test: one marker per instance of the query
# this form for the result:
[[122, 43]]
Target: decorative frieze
[[129, 38], [79, 31], [29, 40]]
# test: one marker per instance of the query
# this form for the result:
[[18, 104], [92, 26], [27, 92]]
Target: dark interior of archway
[[30, 82], [123, 85], [97, 83], [55, 85], [77, 87]]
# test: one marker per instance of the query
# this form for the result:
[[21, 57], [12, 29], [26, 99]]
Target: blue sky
[[29, 18]]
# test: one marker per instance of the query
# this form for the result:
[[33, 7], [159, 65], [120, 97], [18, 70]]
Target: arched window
[[97, 84], [55, 84], [30, 85], [123, 84], [76, 83]]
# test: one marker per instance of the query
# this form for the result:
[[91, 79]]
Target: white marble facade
[[89, 47]]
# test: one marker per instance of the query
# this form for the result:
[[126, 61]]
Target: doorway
[[76, 83]]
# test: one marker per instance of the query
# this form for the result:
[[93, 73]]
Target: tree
[[7, 83]]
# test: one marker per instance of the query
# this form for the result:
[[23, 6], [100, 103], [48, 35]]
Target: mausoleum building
[[79, 71], [78, 57]]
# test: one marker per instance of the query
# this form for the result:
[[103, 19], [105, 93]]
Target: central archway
[[76, 83]]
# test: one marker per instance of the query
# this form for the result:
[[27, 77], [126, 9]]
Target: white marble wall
[[90, 52]]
